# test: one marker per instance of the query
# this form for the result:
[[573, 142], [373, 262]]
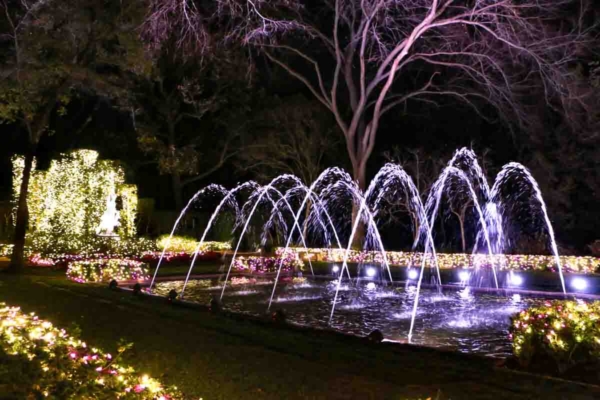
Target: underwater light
[[464, 276], [516, 280], [412, 274], [335, 269], [371, 272], [371, 286], [579, 284]]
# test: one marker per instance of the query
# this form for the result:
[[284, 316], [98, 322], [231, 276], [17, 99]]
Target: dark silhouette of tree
[[289, 136], [361, 59], [176, 107]]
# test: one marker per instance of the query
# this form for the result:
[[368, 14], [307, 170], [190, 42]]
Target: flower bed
[[104, 248], [566, 331], [104, 270], [66, 368], [179, 257], [185, 244], [263, 265], [585, 265], [7, 249]]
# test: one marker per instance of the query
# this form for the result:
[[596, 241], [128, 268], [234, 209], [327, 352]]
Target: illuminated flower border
[[263, 265], [185, 244], [582, 265], [102, 270], [140, 249], [66, 361], [566, 331]]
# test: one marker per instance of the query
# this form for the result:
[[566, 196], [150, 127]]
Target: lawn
[[221, 357]]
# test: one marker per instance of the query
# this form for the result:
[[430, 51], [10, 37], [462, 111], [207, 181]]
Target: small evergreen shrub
[[567, 332]]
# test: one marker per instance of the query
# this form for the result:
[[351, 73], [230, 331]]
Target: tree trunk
[[462, 233], [306, 216], [175, 175], [177, 189], [416, 228], [461, 221], [17, 259], [360, 176]]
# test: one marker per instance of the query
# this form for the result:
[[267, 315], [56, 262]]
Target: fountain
[[331, 197]]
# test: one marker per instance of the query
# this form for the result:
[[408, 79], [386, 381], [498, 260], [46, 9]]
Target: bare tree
[[424, 169], [291, 136], [295, 136], [361, 59]]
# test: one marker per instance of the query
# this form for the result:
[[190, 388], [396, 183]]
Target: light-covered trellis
[[66, 201]]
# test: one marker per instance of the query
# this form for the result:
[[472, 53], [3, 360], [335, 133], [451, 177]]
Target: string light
[[184, 244], [571, 264], [558, 328], [106, 270], [67, 201], [64, 358], [263, 265]]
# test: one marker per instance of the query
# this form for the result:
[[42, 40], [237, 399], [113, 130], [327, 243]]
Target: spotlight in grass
[[464, 276], [137, 289], [579, 284], [371, 272], [371, 286], [335, 269], [516, 280], [413, 274]]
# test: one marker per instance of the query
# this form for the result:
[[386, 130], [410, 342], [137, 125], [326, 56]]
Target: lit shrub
[[179, 257], [268, 264], [105, 270], [7, 249], [186, 244], [66, 202], [567, 332], [61, 366], [100, 248], [515, 262]]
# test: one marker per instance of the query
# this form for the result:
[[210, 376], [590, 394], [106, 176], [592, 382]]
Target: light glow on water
[[579, 284], [464, 321]]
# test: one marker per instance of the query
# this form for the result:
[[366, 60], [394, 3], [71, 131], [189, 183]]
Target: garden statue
[[110, 218]]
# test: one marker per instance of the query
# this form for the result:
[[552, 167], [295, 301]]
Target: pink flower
[[139, 388]]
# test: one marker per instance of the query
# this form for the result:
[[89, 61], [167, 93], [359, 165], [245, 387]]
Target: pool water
[[457, 320]]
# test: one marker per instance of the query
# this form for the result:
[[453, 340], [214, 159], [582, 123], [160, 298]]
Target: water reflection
[[456, 320]]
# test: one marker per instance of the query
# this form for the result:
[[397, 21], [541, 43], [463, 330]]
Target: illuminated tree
[[379, 54], [362, 59], [66, 202], [51, 49]]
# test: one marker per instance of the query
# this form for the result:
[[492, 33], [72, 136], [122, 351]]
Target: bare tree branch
[[479, 52]]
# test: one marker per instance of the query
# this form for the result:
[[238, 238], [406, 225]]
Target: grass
[[225, 357]]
